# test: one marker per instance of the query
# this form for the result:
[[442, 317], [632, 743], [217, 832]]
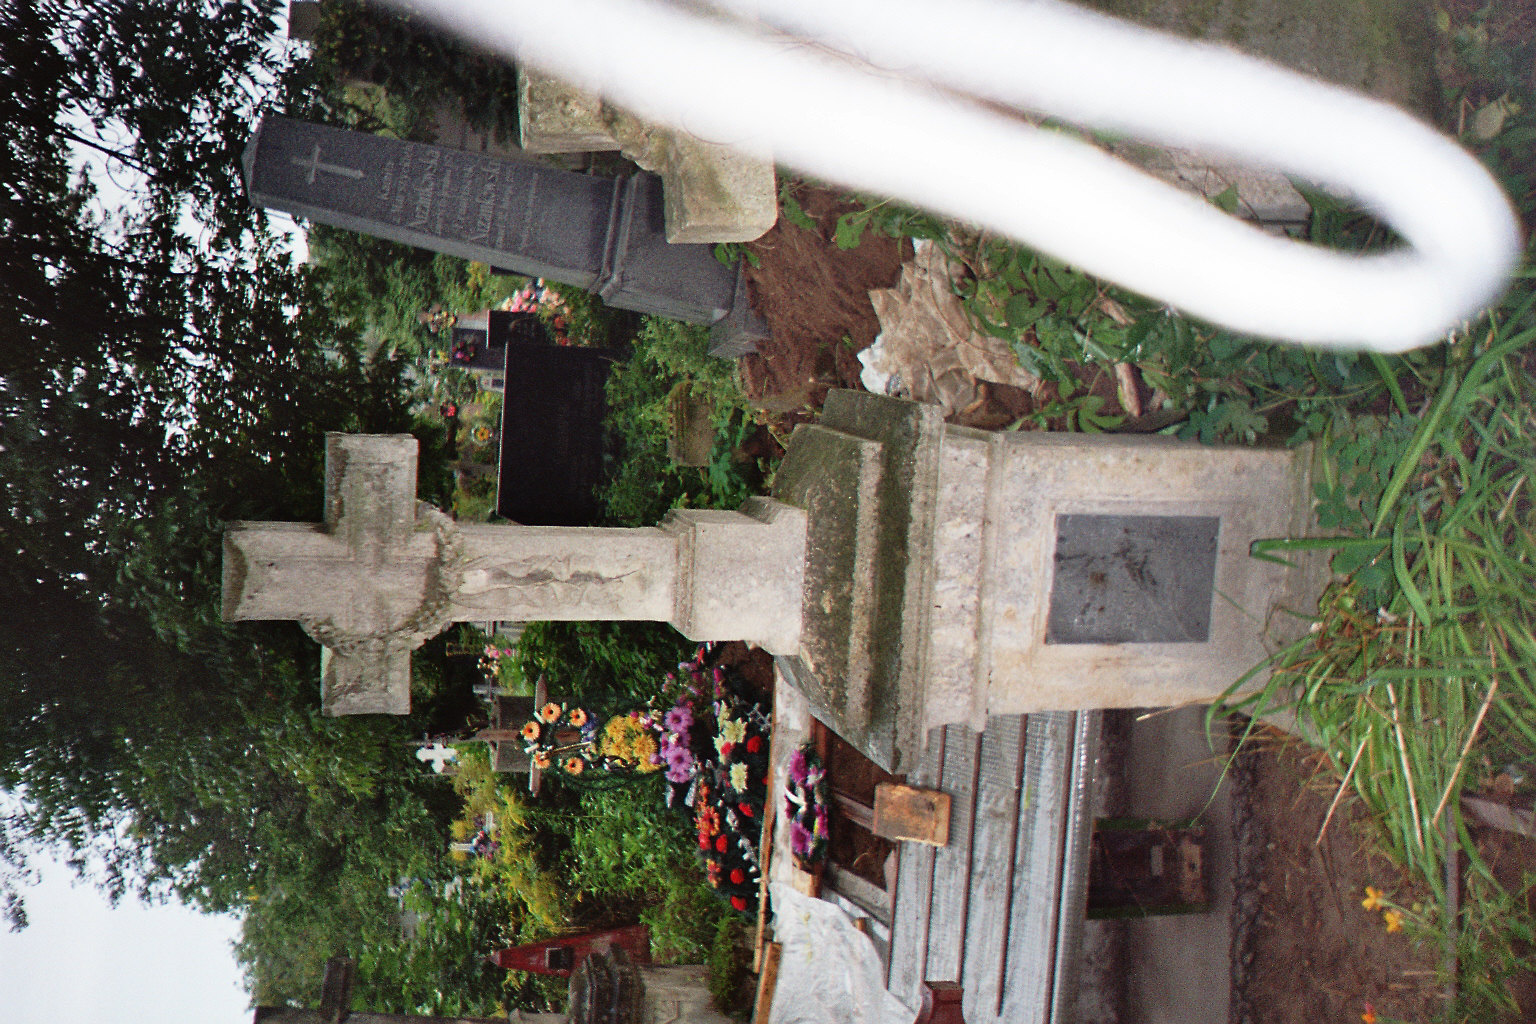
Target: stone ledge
[[713, 193]]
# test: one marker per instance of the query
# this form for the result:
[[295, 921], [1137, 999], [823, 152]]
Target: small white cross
[[438, 754]]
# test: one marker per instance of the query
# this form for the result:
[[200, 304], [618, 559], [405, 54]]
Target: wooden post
[[291, 1015]]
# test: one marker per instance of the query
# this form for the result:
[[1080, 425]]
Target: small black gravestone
[[602, 234], [1132, 579], [553, 445], [486, 348]]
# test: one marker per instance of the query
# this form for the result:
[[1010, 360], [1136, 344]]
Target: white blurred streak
[[916, 127]]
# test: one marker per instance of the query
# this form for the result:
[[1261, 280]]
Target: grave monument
[[908, 573], [602, 234]]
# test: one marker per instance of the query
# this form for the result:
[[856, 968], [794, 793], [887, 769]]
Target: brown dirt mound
[[814, 296]]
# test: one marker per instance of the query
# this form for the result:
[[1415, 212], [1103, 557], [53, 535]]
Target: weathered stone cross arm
[[383, 573]]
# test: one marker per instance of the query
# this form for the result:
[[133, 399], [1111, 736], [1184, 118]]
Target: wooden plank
[[765, 857], [914, 891], [1074, 867], [1035, 933], [952, 864], [855, 811], [767, 983], [992, 855], [868, 897], [914, 815]]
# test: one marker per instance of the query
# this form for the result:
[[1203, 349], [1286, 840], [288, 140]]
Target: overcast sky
[[81, 962]]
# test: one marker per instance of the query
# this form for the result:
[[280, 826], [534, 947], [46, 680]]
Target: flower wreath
[[561, 736], [805, 805], [714, 744]]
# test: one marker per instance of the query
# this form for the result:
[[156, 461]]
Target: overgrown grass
[[1419, 677]]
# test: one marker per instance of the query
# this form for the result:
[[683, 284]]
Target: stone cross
[[383, 573]]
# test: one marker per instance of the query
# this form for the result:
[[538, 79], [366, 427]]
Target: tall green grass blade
[[1422, 439]]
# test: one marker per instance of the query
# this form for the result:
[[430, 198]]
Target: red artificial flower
[[745, 809], [738, 876], [720, 844], [754, 744], [739, 902], [704, 843]]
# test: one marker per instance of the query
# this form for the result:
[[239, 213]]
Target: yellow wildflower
[[1372, 899], [1394, 919]]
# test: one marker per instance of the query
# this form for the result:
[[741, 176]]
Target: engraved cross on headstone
[[314, 164], [383, 573]]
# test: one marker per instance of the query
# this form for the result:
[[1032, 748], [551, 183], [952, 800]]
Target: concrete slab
[[1173, 969]]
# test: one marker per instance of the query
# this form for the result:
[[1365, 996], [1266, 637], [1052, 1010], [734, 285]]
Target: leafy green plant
[[732, 253], [645, 483]]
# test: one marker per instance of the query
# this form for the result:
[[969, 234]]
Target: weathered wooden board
[[952, 863], [992, 858], [909, 814], [914, 891], [1050, 884]]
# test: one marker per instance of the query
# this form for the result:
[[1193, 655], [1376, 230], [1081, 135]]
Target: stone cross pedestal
[[956, 574], [383, 573]]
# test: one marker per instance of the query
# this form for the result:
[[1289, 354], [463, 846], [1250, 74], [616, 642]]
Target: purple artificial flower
[[799, 839], [679, 719], [797, 767]]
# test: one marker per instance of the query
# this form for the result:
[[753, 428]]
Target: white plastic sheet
[[829, 972]]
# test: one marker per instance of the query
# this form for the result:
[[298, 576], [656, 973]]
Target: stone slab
[[835, 477], [604, 235], [714, 192], [1132, 579]]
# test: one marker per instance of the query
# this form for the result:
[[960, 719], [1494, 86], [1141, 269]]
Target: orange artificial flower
[[531, 731], [551, 712], [541, 760], [578, 717], [575, 765]]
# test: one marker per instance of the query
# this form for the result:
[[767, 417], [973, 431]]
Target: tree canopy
[[165, 366]]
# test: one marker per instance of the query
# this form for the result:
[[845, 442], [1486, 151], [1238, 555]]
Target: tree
[[164, 366]]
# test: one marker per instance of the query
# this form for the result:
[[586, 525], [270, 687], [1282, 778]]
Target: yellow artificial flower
[[1394, 920], [1372, 899]]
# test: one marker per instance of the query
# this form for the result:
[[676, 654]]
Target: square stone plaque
[[1132, 579]]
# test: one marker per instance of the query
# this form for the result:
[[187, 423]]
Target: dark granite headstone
[[553, 445], [602, 234], [1132, 579]]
